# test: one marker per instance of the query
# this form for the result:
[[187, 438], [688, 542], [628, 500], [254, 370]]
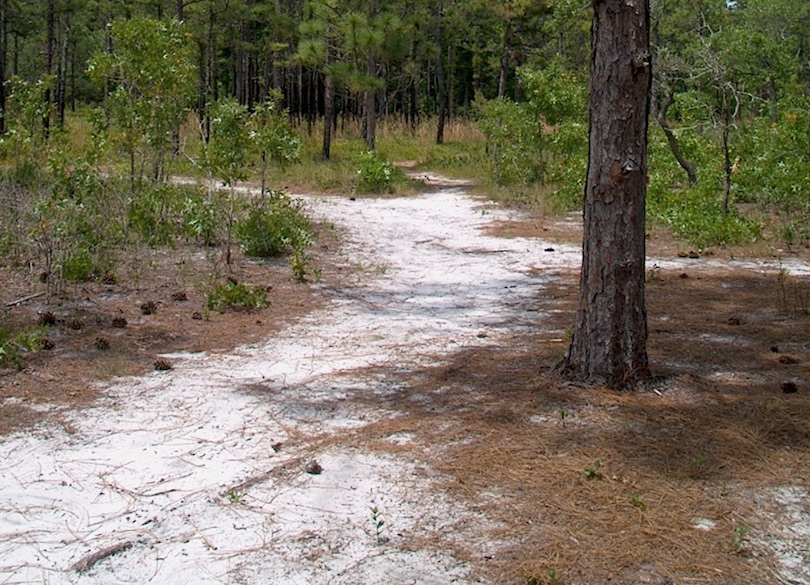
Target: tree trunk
[[505, 58], [609, 342], [413, 116], [61, 84], [50, 50], [440, 78], [660, 114], [727, 121], [328, 114], [370, 109], [3, 60], [370, 94]]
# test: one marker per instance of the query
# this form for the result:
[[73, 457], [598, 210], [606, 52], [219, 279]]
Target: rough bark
[[609, 342]]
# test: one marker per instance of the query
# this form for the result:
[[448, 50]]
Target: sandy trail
[[177, 472], [197, 475]]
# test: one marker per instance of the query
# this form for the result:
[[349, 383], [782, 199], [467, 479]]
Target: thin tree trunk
[[505, 58], [413, 95], [442, 93], [50, 50], [450, 82], [3, 60], [609, 342], [328, 114], [660, 113], [108, 48], [726, 152], [61, 85], [370, 109], [370, 94]]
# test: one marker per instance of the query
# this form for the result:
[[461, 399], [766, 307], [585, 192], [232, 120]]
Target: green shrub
[[79, 267], [239, 297], [274, 226], [568, 164], [694, 213], [515, 141], [15, 344], [199, 218], [375, 174], [157, 212]]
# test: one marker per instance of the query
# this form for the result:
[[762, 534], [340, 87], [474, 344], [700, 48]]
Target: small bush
[[375, 174], [15, 344], [274, 226], [239, 297], [697, 216], [159, 213], [515, 141], [80, 267], [200, 218]]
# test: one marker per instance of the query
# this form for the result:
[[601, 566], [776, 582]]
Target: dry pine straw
[[514, 442]]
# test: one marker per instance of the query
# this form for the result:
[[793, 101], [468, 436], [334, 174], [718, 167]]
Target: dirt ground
[[683, 483], [88, 343]]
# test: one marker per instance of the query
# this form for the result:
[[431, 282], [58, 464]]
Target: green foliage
[[694, 213], [774, 171], [15, 344], [25, 110], [569, 145], [378, 521], [152, 72], [515, 140], [228, 150], [236, 296], [637, 501], [200, 215], [375, 174], [153, 213], [81, 267], [274, 226], [741, 539], [555, 94], [272, 135], [594, 471]]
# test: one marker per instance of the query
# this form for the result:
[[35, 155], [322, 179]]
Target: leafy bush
[[569, 164], [80, 267], [274, 226], [15, 344], [200, 218], [515, 141], [375, 174], [773, 170], [694, 213], [239, 297], [162, 212]]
